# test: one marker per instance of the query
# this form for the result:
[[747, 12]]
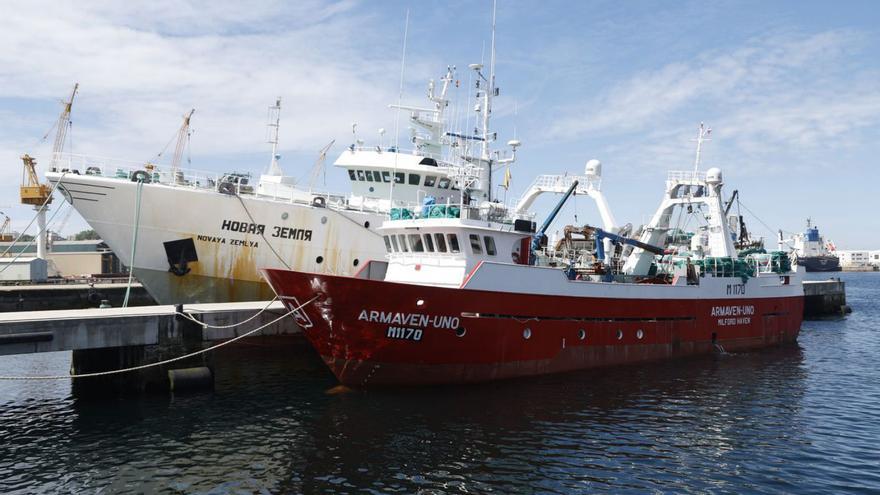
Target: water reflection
[[790, 419]]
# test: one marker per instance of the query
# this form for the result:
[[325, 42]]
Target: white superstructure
[[201, 237]]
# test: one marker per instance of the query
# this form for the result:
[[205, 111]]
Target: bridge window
[[444, 183], [415, 243], [398, 177], [369, 174], [490, 245], [377, 176], [394, 243], [475, 244], [387, 243], [360, 174], [429, 243], [453, 244], [441, 243], [351, 175], [430, 180], [414, 179], [386, 176], [403, 243]]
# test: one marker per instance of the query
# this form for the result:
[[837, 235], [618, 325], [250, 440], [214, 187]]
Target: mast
[[273, 124], [487, 110], [702, 135], [485, 92]]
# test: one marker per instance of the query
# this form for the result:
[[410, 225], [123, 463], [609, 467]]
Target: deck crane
[[6, 229], [32, 191], [318, 167], [182, 137]]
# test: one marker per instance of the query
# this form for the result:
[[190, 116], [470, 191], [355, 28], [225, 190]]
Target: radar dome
[[713, 176], [593, 168]]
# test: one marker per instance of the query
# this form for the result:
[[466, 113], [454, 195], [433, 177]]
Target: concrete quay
[[115, 338], [40, 297], [825, 298]]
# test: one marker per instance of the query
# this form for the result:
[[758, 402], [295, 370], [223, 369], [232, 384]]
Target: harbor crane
[[32, 191]]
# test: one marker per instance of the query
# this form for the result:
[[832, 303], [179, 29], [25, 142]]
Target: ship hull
[[820, 263], [222, 238], [372, 332]]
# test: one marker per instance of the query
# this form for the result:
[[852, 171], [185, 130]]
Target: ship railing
[[486, 212], [685, 176], [292, 193], [115, 168], [440, 157], [446, 162], [560, 183]]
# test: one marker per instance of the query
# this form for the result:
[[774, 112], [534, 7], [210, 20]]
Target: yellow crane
[[35, 193], [6, 229]]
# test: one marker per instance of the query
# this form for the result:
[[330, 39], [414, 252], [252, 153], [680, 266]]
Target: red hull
[[374, 332]]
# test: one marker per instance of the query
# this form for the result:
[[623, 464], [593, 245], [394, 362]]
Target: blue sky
[[791, 90]]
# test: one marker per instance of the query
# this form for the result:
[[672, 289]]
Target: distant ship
[[812, 252]]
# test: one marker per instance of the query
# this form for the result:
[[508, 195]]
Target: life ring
[[140, 176], [226, 188], [319, 202]]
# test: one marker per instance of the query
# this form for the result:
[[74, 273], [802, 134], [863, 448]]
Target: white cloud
[[142, 65], [786, 91]]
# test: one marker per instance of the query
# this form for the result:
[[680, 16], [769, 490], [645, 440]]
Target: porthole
[[366, 224], [640, 334], [284, 216], [319, 260], [527, 333], [460, 332], [356, 262], [582, 334], [420, 302], [620, 335], [371, 189], [323, 220]]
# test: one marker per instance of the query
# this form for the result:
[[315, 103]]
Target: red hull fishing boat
[[469, 292]]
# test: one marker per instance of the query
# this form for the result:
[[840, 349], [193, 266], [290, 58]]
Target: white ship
[[191, 236]]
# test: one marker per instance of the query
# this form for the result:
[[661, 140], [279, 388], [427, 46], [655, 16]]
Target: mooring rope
[[261, 233], [205, 325], [161, 363], [134, 239]]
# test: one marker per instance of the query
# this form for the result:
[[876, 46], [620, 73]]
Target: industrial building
[[65, 259]]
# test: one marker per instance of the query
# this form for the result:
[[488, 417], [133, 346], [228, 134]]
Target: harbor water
[[796, 419]]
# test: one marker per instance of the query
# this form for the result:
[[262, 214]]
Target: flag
[[506, 183]]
